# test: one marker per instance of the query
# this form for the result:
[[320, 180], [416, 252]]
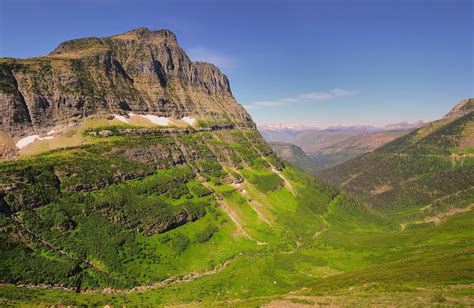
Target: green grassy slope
[[208, 218], [426, 175]]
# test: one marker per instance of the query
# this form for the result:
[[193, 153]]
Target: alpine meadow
[[131, 176]]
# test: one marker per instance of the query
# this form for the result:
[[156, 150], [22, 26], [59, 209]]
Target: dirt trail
[[319, 232], [168, 282], [297, 246], [164, 283], [285, 181]]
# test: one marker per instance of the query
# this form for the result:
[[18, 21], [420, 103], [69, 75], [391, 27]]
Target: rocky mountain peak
[[141, 71], [145, 34]]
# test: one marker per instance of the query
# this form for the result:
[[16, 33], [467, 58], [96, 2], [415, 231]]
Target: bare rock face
[[464, 107], [142, 71]]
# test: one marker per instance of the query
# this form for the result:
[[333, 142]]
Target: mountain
[[295, 156], [157, 190], [354, 129], [334, 145], [428, 172], [279, 133], [329, 148], [404, 125], [141, 71], [135, 171]]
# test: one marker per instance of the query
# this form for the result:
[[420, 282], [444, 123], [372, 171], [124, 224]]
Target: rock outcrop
[[141, 71], [464, 107]]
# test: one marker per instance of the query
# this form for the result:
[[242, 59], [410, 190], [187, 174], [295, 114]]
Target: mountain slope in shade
[[334, 145], [331, 148], [295, 156], [428, 172]]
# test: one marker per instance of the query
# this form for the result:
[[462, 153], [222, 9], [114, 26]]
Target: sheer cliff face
[[142, 71]]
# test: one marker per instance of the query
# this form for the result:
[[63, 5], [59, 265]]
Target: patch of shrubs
[[206, 234], [180, 242]]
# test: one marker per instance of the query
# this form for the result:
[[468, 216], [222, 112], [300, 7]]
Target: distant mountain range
[[331, 146], [356, 128]]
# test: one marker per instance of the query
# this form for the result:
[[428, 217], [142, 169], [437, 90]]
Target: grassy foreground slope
[[208, 218]]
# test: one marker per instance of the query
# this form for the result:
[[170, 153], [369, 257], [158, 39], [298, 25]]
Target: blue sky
[[316, 63]]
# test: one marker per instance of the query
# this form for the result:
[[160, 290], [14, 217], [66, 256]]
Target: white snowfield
[[189, 120], [121, 118], [30, 139], [156, 120], [162, 121]]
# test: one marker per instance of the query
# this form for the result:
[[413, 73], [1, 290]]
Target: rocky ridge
[[464, 107], [141, 71]]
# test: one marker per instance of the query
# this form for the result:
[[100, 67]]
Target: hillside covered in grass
[[129, 175], [145, 216], [420, 178]]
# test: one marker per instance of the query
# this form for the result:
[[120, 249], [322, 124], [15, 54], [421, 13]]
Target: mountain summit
[[141, 71]]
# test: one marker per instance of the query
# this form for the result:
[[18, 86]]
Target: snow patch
[[189, 120], [25, 141], [121, 118], [163, 121], [30, 139], [51, 132]]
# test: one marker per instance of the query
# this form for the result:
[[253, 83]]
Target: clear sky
[[316, 63]]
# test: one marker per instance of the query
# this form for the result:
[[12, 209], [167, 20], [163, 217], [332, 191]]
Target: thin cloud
[[207, 55], [310, 97]]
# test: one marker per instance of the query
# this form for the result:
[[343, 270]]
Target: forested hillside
[[422, 177]]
